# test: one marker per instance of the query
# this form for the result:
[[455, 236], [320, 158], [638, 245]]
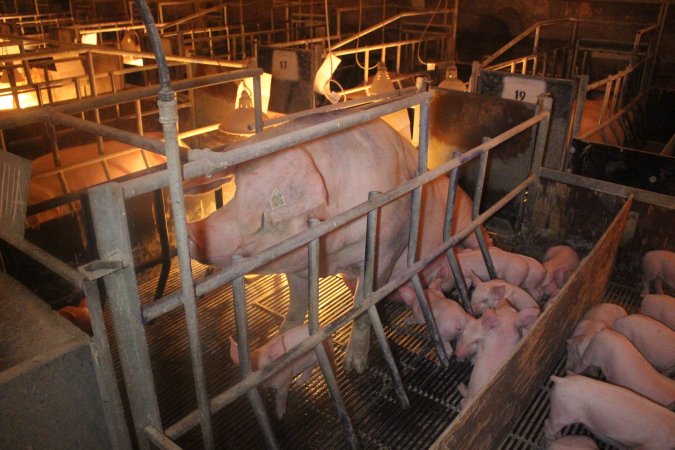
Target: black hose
[[165, 94]]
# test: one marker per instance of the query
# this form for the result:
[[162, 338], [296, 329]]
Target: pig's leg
[[281, 396], [297, 309]]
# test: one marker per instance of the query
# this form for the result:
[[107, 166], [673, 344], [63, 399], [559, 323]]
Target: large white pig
[[654, 340], [560, 262], [277, 194], [658, 267], [491, 339], [276, 348], [596, 319], [623, 364], [450, 317], [610, 411], [487, 294], [660, 307]]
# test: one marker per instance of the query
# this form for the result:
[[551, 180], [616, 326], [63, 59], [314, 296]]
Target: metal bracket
[[100, 268]]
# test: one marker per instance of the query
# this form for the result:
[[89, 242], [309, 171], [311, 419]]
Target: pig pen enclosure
[[169, 367]]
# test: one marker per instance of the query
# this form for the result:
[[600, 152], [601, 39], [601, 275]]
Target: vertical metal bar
[[447, 230], [320, 350], [605, 102], [139, 117], [191, 98], [112, 236], [240, 317], [537, 35], [257, 100], [113, 411], [473, 81], [414, 232], [168, 117], [367, 287], [94, 92], [475, 212], [582, 90], [544, 103], [366, 65]]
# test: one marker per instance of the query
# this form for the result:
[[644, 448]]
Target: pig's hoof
[[357, 360]]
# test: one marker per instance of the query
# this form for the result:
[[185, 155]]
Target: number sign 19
[[523, 89]]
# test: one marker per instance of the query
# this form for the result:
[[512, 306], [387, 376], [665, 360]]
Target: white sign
[[523, 89], [285, 65]]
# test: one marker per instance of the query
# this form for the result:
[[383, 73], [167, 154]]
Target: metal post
[[94, 92], [414, 232], [113, 411], [473, 81], [475, 212], [544, 104], [112, 236], [240, 316], [320, 350], [447, 230], [367, 285]]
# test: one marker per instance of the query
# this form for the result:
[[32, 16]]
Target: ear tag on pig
[[277, 199]]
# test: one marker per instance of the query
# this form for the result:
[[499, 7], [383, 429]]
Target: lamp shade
[[382, 82], [324, 74], [131, 42], [451, 81], [236, 121]]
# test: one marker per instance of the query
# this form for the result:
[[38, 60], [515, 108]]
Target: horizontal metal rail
[[225, 276], [616, 116]]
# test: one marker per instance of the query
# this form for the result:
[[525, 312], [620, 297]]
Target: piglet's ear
[[498, 291], [234, 351], [296, 187]]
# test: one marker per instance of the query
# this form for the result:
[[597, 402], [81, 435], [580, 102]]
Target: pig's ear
[[489, 319], [204, 184], [498, 291], [475, 279], [296, 186], [234, 351]]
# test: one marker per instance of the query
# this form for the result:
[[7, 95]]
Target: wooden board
[[487, 420]]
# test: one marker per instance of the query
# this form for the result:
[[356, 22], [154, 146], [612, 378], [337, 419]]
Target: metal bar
[[475, 211], [159, 439], [112, 235], [320, 350], [239, 294], [447, 231], [234, 392], [113, 411], [366, 284], [633, 103], [16, 119], [97, 115], [98, 129], [227, 275], [582, 89], [209, 161], [544, 105], [654, 198]]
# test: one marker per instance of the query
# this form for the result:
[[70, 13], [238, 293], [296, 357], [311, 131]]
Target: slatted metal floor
[[310, 421]]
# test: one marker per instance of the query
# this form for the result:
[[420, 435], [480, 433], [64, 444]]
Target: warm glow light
[[382, 83], [324, 74], [8, 49], [452, 82], [90, 38], [265, 88], [131, 43], [26, 100]]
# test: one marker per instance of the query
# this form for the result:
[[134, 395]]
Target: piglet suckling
[[623, 364], [490, 340], [487, 294], [599, 317], [658, 267], [559, 262], [450, 317], [274, 349], [660, 307], [653, 339], [610, 411]]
